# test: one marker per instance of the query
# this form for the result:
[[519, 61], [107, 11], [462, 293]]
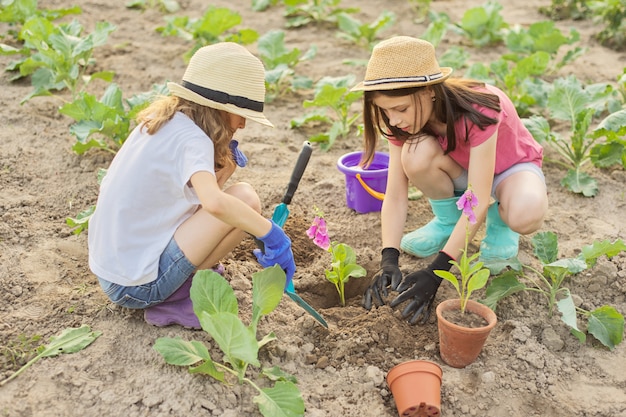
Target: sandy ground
[[530, 366]]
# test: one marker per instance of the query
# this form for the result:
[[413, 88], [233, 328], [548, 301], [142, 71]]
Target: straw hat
[[402, 62], [225, 76]]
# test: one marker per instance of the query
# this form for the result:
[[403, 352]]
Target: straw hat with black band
[[402, 62], [225, 76]]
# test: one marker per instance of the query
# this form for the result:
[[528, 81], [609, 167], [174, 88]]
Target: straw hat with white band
[[402, 62], [225, 76]]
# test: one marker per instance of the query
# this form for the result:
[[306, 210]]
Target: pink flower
[[319, 233], [467, 202]]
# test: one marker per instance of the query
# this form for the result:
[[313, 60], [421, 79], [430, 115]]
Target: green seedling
[[105, 123], [605, 323], [437, 28], [61, 58], [343, 267], [520, 80], [80, 223], [612, 14], [215, 304], [216, 25], [482, 25], [546, 37], [421, 8], [70, 340], [569, 101], [169, 6], [17, 12], [280, 64], [566, 9], [262, 5], [303, 12], [364, 34], [20, 351], [334, 94], [473, 275]]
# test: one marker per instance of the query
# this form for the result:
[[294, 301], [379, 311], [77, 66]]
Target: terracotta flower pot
[[459, 346], [416, 388]]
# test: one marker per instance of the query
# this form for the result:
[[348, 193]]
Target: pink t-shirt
[[515, 143]]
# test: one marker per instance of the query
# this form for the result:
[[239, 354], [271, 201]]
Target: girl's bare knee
[[527, 218], [244, 192]]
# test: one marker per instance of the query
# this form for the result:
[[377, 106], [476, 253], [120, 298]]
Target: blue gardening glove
[[238, 156], [421, 287], [389, 274], [277, 250]]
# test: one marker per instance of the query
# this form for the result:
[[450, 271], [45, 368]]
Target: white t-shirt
[[144, 197]]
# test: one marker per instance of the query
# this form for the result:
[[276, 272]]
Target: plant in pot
[[464, 324]]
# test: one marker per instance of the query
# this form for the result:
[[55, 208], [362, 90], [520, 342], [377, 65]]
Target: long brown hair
[[215, 123], [454, 99]]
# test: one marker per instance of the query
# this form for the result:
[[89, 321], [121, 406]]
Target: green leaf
[[591, 253], [208, 367], [282, 400], [276, 374], [477, 281], [236, 340], [268, 338], [81, 222], [450, 277], [177, 351], [267, 290], [500, 287], [614, 122], [211, 293], [70, 340], [607, 154], [567, 99], [606, 325], [568, 316], [353, 271], [545, 247], [572, 265], [580, 183], [539, 127]]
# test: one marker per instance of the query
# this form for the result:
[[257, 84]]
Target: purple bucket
[[358, 197]]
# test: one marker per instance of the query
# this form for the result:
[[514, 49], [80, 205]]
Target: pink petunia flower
[[319, 233], [467, 202]]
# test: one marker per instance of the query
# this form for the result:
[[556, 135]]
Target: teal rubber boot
[[431, 238], [500, 241]]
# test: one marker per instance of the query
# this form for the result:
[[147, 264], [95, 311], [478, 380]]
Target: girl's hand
[[276, 250], [421, 287], [390, 274]]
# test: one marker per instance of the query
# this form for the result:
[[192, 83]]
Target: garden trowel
[[281, 212]]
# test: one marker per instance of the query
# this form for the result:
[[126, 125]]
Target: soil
[[467, 319], [530, 366]]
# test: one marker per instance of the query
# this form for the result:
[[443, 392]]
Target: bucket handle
[[376, 194]]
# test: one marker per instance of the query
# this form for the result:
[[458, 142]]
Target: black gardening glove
[[389, 274], [421, 287]]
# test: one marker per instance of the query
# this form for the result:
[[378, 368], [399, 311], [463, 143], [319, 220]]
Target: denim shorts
[[460, 183], [174, 270]]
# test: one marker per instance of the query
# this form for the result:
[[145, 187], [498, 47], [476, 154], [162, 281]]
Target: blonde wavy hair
[[215, 123]]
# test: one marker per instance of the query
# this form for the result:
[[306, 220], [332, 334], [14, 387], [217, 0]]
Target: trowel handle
[[298, 170]]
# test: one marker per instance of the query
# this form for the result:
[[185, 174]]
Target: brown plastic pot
[[416, 388], [460, 346]]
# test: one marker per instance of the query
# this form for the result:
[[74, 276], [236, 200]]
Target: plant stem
[[22, 369], [339, 286]]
